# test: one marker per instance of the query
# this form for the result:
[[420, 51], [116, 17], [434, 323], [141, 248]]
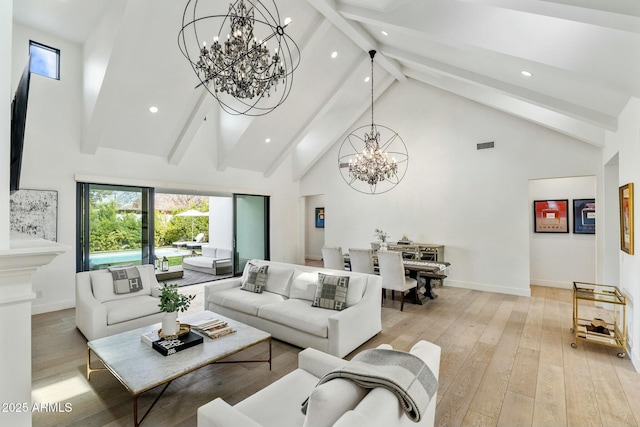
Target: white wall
[[626, 144], [6, 95], [221, 222], [550, 265], [476, 203], [314, 237], [52, 160]]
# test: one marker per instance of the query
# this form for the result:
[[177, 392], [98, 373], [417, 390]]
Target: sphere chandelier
[[246, 61], [377, 162]]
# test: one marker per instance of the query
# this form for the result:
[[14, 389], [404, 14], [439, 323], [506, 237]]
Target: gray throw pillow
[[331, 292], [256, 279], [126, 280]]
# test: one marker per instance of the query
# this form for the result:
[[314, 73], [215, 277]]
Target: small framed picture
[[319, 217], [584, 216], [626, 218], [551, 216]]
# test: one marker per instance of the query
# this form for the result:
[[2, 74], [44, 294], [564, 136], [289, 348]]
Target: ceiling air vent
[[484, 145]]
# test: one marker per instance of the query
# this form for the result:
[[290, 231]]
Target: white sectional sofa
[[339, 404], [284, 307], [213, 261], [101, 312]]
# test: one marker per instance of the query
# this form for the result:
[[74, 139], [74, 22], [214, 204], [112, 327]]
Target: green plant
[[171, 300]]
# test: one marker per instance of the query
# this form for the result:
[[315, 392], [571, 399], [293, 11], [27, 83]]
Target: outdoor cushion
[[131, 308], [223, 253], [209, 251], [199, 261], [298, 314], [102, 285], [246, 302]]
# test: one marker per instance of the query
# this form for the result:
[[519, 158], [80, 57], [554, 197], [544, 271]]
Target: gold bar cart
[[611, 330]]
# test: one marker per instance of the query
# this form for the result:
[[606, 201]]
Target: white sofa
[[101, 312], [284, 307], [341, 404], [213, 261]]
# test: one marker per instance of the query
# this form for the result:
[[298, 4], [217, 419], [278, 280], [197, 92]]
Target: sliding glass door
[[250, 229], [114, 226]]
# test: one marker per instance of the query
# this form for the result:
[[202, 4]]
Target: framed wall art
[[35, 213], [319, 217], [626, 218], [584, 216], [551, 216]]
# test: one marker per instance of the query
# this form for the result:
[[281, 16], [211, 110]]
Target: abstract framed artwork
[[35, 213], [319, 217], [551, 216], [584, 216], [626, 218]]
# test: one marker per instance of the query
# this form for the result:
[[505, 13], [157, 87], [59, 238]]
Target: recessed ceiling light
[[268, 140], [153, 109], [334, 55], [366, 79], [384, 33], [526, 73]]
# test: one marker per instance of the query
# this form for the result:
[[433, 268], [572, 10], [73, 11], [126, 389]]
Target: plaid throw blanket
[[405, 374]]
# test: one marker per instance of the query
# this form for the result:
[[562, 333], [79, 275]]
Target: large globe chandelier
[[243, 58], [377, 162]]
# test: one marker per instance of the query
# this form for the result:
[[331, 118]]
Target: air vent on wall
[[484, 145]]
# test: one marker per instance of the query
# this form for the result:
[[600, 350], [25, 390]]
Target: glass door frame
[[237, 271]]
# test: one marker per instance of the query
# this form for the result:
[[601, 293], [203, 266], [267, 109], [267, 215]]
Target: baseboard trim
[[54, 306], [488, 288], [314, 257], [552, 283]]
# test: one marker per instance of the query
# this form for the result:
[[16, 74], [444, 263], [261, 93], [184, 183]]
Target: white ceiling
[[584, 56]]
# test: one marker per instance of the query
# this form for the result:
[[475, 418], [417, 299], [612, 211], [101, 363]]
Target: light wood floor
[[506, 361]]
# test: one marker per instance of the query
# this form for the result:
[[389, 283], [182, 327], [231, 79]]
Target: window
[[44, 60]]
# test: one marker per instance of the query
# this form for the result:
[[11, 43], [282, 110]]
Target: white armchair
[[101, 312], [332, 257], [392, 273]]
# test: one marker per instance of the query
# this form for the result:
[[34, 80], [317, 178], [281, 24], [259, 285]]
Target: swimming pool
[[115, 257]]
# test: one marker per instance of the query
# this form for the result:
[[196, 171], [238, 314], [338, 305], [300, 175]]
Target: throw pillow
[[331, 292], [126, 280], [256, 279], [329, 401]]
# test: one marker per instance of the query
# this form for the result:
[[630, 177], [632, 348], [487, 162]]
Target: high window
[[45, 60]]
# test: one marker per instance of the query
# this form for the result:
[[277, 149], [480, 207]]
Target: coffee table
[[140, 368]]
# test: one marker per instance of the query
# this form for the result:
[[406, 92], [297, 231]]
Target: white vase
[[383, 246], [170, 325]]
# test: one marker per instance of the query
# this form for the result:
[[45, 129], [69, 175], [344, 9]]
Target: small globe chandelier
[[376, 163], [246, 62]]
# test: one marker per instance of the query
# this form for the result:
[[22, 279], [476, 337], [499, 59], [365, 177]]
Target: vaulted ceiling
[[584, 56]]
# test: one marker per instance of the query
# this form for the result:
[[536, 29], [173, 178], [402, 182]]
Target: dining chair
[[361, 260], [332, 257], [392, 273]]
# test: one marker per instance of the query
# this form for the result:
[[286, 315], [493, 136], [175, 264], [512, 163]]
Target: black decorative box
[[167, 347]]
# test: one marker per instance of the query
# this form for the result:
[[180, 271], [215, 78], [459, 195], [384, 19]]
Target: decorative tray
[[184, 330]]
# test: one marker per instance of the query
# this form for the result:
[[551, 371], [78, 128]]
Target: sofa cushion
[[298, 314], [199, 261], [126, 280], [331, 292], [303, 285], [131, 308], [279, 280], [329, 401], [208, 251], [256, 278], [245, 302], [356, 290], [278, 404], [223, 253], [102, 285]]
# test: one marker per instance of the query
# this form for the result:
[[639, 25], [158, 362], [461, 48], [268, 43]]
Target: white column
[[17, 265], [6, 28]]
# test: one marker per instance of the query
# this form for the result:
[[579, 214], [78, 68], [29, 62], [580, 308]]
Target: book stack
[[212, 328], [168, 346]]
